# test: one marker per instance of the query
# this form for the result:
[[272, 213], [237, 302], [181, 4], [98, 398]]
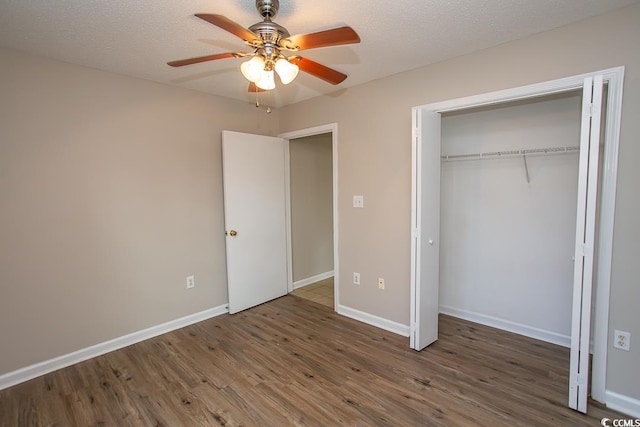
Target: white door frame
[[317, 130], [614, 77]]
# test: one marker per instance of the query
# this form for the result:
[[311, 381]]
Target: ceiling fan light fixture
[[286, 70], [253, 69], [268, 39], [267, 81]]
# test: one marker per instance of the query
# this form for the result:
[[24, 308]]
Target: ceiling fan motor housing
[[270, 32]]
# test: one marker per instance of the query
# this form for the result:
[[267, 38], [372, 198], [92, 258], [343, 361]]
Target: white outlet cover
[[191, 282], [622, 340]]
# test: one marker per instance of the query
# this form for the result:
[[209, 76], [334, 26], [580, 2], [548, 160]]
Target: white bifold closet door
[[425, 254], [425, 229], [585, 242]]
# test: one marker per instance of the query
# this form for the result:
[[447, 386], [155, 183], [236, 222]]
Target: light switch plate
[[358, 201]]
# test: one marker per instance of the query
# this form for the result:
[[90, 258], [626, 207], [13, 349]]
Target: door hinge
[[583, 250], [414, 233], [579, 380], [589, 111]]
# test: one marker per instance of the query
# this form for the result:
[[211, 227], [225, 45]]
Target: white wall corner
[[313, 279], [29, 372], [370, 319], [621, 403]]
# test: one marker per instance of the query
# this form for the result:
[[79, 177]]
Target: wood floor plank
[[294, 362]]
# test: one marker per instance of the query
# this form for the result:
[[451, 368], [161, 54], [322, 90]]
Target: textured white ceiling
[[138, 37]]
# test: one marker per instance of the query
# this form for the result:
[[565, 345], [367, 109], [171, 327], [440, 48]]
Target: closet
[[508, 194], [501, 184]]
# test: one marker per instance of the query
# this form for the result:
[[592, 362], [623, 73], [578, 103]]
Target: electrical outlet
[[380, 283], [191, 282], [358, 201], [356, 278], [621, 340]]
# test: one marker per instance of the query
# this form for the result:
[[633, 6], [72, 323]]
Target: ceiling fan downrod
[[268, 9]]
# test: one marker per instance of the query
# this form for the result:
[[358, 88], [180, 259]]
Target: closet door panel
[[585, 243], [426, 229]]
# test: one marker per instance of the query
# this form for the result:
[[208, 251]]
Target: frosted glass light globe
[[286, 70], [267, 82], [252, 69]]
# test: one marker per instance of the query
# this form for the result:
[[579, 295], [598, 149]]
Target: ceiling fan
[[269, 40]]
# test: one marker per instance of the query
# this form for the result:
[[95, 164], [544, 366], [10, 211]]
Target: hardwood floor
[[295, 362]]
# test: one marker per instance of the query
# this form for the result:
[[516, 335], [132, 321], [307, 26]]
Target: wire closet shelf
[[511, 153]]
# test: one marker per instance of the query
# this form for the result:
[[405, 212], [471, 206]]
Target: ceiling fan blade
[[253, 88], [321, 71], [230, 26], [337, 36], [199, 59]]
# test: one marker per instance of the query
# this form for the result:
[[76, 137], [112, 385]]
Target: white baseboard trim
[[507, 325], [29, 372], [621, 403], [312, 279], [372, 320]]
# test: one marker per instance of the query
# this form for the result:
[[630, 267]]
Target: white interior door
[[425, 242], [585, 243], [255, 222]]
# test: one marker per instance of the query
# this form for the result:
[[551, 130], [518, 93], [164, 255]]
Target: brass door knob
[[233, 233]]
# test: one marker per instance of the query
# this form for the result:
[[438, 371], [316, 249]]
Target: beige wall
[[374, 157], [110, 195], [311, 205], [110, 188]]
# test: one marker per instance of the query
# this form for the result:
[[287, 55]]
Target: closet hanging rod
[[510, 153]]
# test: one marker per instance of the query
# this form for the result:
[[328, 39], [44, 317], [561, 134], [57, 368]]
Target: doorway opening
[[311, 195], [312, 214]]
